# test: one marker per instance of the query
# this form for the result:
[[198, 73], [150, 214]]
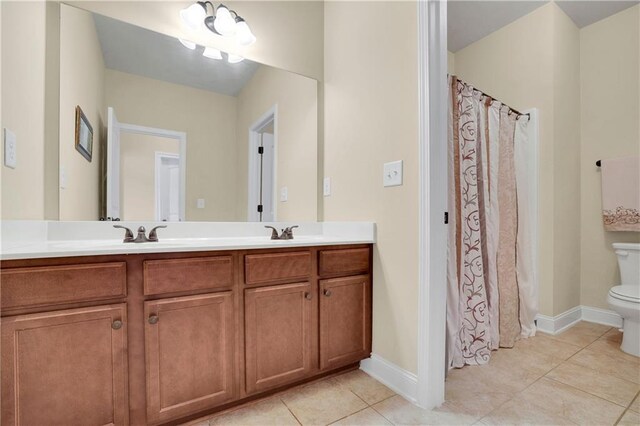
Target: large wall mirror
[[180, 132]]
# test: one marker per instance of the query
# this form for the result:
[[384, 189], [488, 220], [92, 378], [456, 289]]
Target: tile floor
[[577, 377]]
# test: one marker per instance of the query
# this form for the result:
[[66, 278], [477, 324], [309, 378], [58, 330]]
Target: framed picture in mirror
[[84, 134]]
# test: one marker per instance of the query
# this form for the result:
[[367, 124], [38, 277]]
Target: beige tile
[[599, 384], [368, 416], [545, 345], [322, 403], [401, 412], [602, 362], [582, 334], [635, 405], [613, 335], [521, 365], [612, 348], [564, 401], [268, 412], [365, 386], [630, 418], [520, 411]]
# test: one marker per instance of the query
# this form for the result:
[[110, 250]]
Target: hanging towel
[[621, 194]]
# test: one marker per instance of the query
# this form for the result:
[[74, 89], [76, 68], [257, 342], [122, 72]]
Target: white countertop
[[43, 239]]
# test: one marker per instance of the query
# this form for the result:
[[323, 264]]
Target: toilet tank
[[628, 262]]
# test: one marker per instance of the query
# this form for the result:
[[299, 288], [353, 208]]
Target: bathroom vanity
[[154, 338]]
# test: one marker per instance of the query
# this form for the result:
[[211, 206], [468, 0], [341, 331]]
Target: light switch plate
[[200, 203], [392, 173], [326, 186], [63, 178], [10, 149], [284, 194]]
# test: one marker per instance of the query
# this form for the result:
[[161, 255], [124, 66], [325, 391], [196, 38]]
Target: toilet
[[625, 298]]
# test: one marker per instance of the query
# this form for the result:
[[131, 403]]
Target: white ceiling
[[136, 50], [471, 20]]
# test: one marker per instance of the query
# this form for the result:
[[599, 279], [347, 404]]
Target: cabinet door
[[345, 321], [279, 334], [65, 367], [189, 347]]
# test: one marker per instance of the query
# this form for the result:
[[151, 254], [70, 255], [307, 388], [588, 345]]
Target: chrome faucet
[[142, 237], [287, 233]]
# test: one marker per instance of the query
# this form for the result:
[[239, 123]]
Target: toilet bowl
[[625, 298]]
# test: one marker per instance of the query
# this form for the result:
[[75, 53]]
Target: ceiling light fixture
[[188, 44], [211, 53], [219, 20], [234, 59]]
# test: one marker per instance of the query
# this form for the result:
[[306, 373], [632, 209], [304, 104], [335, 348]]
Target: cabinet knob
[[308, 296], [327, 292], [153, 319], [116, 325]]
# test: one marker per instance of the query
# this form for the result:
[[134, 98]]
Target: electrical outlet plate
[[284, 194], [10, 149], [326, 186], [200, 203], [392, 173]]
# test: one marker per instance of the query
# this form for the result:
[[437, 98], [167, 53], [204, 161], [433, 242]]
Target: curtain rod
[[528, 114]]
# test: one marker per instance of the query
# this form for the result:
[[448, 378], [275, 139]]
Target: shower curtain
[[491, 300]]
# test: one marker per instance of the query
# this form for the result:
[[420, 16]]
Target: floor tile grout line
[[587, 392], [627, 409], [290, 411], [597, 371], [349, 415], [383, 416]]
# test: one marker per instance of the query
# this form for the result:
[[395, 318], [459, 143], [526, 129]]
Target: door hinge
[[260, 150], [259, 208], [446, 218]]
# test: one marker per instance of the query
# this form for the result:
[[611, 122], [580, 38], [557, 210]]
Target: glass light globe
[[224, 24], [234, 59], [244, 36], [193, 16], [188, 44], [210, 52]]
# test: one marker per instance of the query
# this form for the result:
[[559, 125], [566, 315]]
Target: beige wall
[[610, 117], [516, 65], [81, 83], [296, 98], [138, 173], [370, 118], [289, 33], [23, 112], [208, 119]]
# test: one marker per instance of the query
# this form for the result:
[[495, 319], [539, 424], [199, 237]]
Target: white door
[[167, 187], [266, 178], [113, 165]]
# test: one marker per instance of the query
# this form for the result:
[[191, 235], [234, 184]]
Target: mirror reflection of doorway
[[262, 176], [145, 172]]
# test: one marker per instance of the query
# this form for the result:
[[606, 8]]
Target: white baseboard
[[559, 323], [401, 381]]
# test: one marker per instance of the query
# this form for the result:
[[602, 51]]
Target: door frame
[[432, 231], [253, 192], [181, 137], [159, 155]]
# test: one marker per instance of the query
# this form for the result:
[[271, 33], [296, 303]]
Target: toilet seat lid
[[630, 293]]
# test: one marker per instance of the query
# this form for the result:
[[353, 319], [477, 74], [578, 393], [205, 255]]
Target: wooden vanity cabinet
[[65, 367], [189, 351], [169, 337]]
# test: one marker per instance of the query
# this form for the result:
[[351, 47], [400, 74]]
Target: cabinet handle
[[308, 296], [327, 292], [153, 319], [116, 325]]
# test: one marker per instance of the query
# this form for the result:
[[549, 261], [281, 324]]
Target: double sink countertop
[[43, 239]]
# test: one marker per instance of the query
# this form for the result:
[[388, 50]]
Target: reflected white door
[[113, 165], [167, 187], [266, 178]]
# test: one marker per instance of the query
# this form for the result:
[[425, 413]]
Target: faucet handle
[[153, 235], [274, 233], [128, 235], [287, 233]]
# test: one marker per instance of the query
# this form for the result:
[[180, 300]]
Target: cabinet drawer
[[55, 285], [264, 268], [344, 261], [174, 275]]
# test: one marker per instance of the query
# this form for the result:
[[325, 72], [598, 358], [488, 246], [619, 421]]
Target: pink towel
[[621, 194]]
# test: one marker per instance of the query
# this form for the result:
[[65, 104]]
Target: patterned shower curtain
[[491, 299]]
